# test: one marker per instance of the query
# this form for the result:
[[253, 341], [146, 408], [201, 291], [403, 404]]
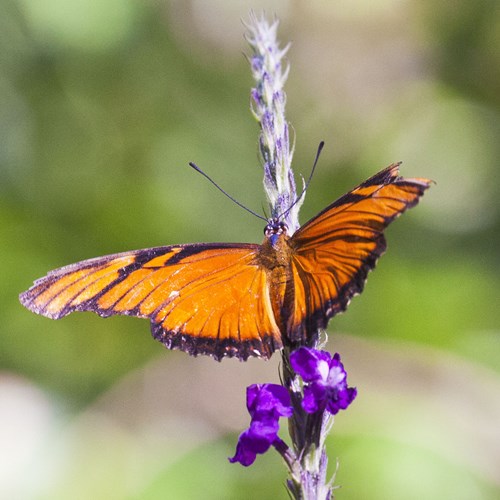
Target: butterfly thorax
[[275, 257]]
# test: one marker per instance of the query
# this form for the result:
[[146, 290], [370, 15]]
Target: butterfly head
[[274, 229]]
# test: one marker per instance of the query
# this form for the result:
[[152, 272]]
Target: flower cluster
[[266, 404], [325, 381], [268, 107], [324, 389]]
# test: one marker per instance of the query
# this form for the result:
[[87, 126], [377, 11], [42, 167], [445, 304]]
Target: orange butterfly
[[240, 299]]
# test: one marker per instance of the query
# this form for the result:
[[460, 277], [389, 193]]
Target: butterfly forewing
[[204, 299], [335, 250]]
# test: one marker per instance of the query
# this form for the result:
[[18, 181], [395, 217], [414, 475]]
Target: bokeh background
[[102, 105]]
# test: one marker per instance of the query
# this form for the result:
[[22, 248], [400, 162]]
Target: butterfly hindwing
[[201, 298], [335, 250]]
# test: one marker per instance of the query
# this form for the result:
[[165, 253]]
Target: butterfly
[[240, 299]]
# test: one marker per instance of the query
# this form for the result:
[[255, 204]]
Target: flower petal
[[314, 398], [268, 397], [306, 362]]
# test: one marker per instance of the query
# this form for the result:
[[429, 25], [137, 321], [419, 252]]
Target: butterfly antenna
[[200, 171], [318, 152], [265, 212]]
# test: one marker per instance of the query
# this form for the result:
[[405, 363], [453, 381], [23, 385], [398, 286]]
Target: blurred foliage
[[103, 104]]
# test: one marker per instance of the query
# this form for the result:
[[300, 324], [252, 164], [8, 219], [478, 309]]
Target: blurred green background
[[102, 105]]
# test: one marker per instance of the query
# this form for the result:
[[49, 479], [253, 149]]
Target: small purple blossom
[[266, 403], [325, 380]]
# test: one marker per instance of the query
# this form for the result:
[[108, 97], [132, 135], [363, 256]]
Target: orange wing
[[335, 250], [203, 299]]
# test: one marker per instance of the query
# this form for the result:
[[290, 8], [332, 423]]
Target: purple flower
[[325, 380], [266, 403]]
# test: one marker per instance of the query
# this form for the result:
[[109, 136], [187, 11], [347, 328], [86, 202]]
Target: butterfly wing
[[335, 250], [201, 298]]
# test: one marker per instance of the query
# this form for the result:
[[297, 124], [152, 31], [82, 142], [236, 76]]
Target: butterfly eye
[[274, 227], [270, 228]]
